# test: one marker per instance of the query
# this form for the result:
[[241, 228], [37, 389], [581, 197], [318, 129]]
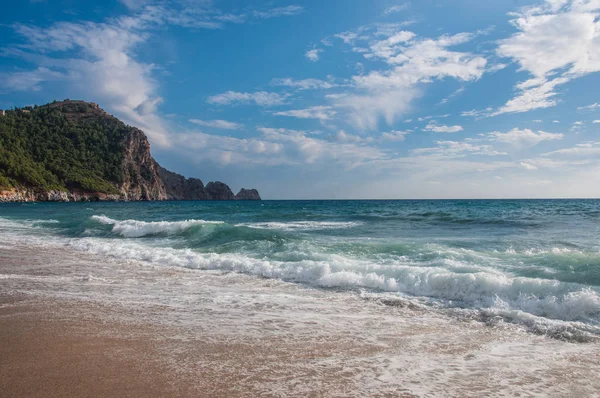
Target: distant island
[[75, 151]]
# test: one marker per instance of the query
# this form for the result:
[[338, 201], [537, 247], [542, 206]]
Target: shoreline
[[85, 325]]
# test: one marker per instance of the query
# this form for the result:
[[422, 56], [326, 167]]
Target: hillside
[[74, 150]]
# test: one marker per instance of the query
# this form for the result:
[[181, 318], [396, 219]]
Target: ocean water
[[531, 263]]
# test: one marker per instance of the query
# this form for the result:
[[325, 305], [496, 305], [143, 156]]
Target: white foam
[[301, 225], [526, 300], [136, 229], [491, 290]]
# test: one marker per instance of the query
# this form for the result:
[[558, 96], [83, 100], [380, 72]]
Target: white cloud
[[532, 96], [413, 61], [29, 80], [345, 149], [394, 135], [454, 94], [365, 110], [219, 124], [279, 11], [304, 84], [398, 8], [104, 68], [555, 44], [556, 121], [134, 4], [342, 136], [523, 138], [528, 166], [313, 112], [477, 113], [261, 98], [457, 149], [313, 55], [440, 128], [589, 149], [596, 121], [496, 68], [347, 37], [589, 107]]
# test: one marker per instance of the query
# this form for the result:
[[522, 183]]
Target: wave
[[301, 225], [448, 218], [445, 277], [137, 229], [484, 289]]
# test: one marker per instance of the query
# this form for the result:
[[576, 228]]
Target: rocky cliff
[[75, 151], [247, 194]]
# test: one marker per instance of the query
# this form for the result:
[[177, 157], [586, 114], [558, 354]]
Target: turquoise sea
[[533, 263]]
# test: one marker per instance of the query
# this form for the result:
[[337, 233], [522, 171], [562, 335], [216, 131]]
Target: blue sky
[[332, 99]]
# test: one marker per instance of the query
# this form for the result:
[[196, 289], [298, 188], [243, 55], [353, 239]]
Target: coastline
[[78, 324], [33, 195]]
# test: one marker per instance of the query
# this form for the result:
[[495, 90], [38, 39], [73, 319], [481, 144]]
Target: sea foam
[[477, 290], [301, 225], [136, 229]]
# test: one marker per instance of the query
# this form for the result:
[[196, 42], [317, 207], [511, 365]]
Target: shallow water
[[535, 264]]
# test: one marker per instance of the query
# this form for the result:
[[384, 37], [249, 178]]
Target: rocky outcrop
[[219, 191], [141, 173], [247, 194], [141, 177], [180, 188], [32, 195]]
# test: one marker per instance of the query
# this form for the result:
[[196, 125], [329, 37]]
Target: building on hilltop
[[2, 112]]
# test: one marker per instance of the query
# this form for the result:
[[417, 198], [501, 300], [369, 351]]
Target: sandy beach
[[73, 324]]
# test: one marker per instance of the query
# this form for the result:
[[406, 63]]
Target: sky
[[332, 99]]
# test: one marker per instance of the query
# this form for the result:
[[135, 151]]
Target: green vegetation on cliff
[[73, 150], [64, 146]]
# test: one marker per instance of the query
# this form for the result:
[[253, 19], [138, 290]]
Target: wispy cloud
[[413, 62], [394, 135], [313, 55], [219, 124], [524, 137], [589, 107], [28, 80], [261, 98], [397, 8], [304, 84], [313, 112], [279, 11], [100, 64], [555, 44], [441, 128], [457, 149]]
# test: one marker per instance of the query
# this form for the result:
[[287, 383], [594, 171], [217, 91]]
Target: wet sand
[[73, 324], [46, 352]]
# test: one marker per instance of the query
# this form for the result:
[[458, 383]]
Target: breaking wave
[[137, 229], [514, 298]]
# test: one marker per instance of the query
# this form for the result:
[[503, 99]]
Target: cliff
[[75, 151]]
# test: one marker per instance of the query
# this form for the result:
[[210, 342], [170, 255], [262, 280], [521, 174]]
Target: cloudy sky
[[335, 98]]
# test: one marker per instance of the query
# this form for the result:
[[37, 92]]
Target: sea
[[530, 264]]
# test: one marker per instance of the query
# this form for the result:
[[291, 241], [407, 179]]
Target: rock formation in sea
[[247, 194]]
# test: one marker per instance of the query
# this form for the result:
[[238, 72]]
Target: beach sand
[[76, 325]]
